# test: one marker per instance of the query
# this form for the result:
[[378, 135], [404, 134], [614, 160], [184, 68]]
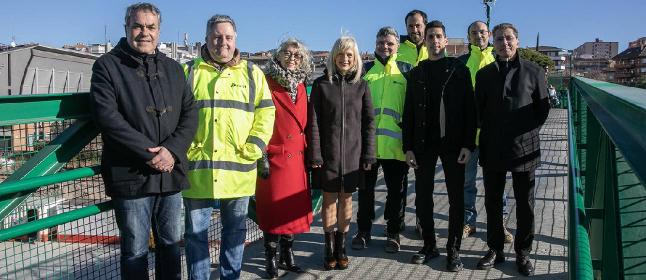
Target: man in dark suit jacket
[[147, 118], [512, 104]]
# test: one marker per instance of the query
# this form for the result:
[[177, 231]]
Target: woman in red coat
[[283, 198]]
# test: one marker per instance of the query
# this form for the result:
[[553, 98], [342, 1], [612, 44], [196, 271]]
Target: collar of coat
[[513, 63], [337, 76], [384, 61], [476, 49], [124, 49], [404, 39], [206, 55]]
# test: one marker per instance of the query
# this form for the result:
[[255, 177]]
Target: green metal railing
[[54, 159], [607, 180], [579, 243]]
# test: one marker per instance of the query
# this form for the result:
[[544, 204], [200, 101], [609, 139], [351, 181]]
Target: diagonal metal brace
[[50, 160]]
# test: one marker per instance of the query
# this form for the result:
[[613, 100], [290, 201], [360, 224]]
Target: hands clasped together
[[163, 160]]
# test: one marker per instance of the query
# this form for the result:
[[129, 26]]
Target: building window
[[643, 70]]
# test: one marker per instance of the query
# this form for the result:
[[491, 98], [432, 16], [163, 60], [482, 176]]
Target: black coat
[[512, 108], [141, 102], [341, 132], [459, 104]]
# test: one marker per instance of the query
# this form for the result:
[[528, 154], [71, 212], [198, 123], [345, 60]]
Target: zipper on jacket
[[342, 130]]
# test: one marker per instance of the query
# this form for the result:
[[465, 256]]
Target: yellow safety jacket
[[475, 60], [408, 52], [388, 90], [236, 120]]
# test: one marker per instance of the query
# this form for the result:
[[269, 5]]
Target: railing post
[[612, 246]]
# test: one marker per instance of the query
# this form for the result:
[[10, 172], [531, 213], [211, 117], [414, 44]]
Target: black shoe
[[270, 260], [361, 240], [392, 243], [286, 261], [423, 256], [524, 265], [490, 259], [453, 262]]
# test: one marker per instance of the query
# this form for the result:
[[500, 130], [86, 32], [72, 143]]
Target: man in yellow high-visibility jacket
[[480, 55], [387, 82], [236, 120], [412, 49]]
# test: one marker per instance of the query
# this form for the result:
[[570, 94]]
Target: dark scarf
[[286, 78]]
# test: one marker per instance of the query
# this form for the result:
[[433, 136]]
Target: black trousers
[[523, 183], [395, 175], [424, 186]]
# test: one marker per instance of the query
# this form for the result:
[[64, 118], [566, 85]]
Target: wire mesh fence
[[87, 248]]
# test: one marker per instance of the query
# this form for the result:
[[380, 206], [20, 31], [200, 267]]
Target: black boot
[[342, 260], [270, 256], [453, 262], [329, 259], [286, 261]]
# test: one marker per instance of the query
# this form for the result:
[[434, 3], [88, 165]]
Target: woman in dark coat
[[341, 144], [283, 195]]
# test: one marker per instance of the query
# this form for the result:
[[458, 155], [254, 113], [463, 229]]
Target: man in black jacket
[[439, 121], [146, 115], [512, 104]]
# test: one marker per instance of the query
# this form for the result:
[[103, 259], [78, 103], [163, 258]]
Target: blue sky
[[262, 24]]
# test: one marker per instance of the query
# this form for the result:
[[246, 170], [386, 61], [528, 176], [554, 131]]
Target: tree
[[536, 57], [641, 83]]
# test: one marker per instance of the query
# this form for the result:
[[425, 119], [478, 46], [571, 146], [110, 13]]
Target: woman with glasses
[[341, 142], [282, 193]]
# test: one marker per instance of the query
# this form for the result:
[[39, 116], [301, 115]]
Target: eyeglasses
[[289, 55]]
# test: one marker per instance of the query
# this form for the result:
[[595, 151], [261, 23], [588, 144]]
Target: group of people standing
[[218, 130]]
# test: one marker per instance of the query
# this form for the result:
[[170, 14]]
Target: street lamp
[[488, 4]]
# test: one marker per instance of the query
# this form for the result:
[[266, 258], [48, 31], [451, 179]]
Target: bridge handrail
[[580, 262], [621, 112]]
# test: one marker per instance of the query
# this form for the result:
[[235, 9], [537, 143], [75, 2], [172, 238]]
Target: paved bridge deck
[[550, 247]]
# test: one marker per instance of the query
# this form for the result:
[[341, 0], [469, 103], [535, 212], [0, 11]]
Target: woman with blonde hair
[[282, 192], [341, 142]]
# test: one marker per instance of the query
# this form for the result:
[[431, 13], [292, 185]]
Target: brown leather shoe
[[468, 230], [509, 238]]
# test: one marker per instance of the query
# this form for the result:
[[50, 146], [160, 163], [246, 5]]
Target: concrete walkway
[[550, 247]]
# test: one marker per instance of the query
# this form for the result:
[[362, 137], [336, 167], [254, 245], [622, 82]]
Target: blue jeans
[[134, 217], [233, 213], [470, 191]]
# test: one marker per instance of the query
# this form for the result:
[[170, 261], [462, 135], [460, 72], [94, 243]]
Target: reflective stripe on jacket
[[388, 90], [236, 120], [408, 53]]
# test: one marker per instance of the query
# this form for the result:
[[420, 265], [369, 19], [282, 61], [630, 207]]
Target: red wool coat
[[283, 201]]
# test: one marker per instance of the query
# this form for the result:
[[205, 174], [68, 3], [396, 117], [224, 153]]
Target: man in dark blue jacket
[[146, 115]]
